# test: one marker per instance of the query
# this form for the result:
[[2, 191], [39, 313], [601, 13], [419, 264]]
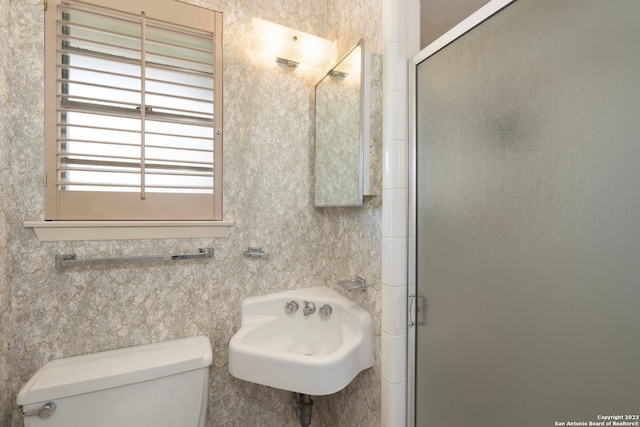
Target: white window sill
[[59, 231]]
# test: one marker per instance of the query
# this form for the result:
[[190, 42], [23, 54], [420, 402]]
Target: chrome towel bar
[[69, 260], [255, 252]]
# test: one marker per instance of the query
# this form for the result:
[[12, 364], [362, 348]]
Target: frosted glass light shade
[[286, 43]]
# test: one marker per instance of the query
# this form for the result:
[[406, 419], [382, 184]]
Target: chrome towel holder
[[70, 260], [255, 252]]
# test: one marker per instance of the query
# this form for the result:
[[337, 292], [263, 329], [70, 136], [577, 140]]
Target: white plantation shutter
[[134, 135]]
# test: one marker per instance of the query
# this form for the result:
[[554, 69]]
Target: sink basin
[[314, 354]]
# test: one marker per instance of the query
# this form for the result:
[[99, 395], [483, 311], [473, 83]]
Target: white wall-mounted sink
[[313, 354]]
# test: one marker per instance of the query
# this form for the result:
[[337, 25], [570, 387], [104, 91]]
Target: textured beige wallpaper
[[6, 395], [268, 130], [353, 235]]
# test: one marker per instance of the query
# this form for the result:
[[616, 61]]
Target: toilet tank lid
[[108, 369]]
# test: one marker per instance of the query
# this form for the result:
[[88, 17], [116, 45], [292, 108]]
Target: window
[[133, 111]]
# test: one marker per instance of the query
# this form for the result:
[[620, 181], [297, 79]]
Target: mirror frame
[[364, 124]]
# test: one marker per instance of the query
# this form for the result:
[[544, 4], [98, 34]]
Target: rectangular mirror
[[342, 118]]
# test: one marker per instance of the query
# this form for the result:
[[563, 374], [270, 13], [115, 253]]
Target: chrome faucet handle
[[309, 308], [325, 311], [291, 307]]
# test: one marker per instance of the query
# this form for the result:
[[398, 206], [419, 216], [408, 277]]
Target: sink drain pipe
[[303, 409]]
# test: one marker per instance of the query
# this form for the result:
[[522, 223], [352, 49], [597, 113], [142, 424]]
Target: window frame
[[65, 205]]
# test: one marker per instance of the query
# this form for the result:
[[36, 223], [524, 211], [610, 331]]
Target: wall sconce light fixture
[[290, 47]]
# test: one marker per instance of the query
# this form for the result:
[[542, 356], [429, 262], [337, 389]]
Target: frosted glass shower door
[[527, 219]]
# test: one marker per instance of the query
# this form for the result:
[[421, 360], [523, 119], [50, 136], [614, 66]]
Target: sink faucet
[[309, 308], [291, 307], [325, 311]]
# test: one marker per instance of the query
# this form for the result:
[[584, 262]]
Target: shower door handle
[[411, 311], [417, 306]]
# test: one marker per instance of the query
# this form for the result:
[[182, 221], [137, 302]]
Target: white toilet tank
[[155, 385]]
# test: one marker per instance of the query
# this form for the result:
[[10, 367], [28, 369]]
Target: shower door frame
[[468, 24]]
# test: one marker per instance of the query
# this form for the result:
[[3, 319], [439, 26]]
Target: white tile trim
[[393, 414], [394, 306], [401, 38]]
